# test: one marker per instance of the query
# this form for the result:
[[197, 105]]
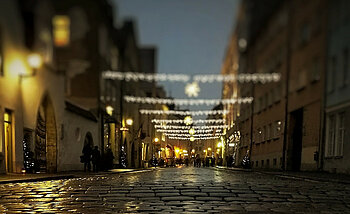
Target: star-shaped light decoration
[[188, 120], [192, 89], [192, 139], [192, 131]]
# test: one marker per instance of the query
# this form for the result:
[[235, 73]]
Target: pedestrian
[[86, 157], [95, 158]]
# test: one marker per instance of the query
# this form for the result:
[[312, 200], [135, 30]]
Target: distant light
[[209, 149], [193, 151], [192, 131], [156, 140], [129, 122], [192, 139], [204, 151], [109, 110], [242, 43], [188, 120], [177, 151], [184, 151], [61, 30], [219, 145], [192, 89], [34, 60], [231, 144]]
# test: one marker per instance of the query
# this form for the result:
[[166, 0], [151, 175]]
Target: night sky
[[191, 37]]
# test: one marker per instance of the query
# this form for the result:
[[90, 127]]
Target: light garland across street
[[195, 135], [186, 131], [151, 100], [189, 127], [195, 138], [203, 78], [210, 121], [184, 113]]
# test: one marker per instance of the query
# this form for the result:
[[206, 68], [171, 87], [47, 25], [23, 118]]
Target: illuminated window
[[61, 32], [1, 56]]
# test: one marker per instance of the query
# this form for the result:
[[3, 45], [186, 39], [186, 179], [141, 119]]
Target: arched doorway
[[88, 139], [45, 152]]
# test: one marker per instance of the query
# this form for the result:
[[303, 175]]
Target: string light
[[189, 135], [151, 100], [241, 78], [184, 113], [187, 131], [194, 138], [189, 127], [203, 78], [211, 121]]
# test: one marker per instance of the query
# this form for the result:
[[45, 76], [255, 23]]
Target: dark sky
[[191, 36]]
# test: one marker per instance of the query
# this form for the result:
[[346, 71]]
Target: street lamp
[[35, 62], [129, 122], [109, 110], [156, 140]]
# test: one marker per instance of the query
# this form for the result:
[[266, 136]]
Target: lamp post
[[34, 61]]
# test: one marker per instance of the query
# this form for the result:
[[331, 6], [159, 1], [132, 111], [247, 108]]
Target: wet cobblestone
[[176, 190]]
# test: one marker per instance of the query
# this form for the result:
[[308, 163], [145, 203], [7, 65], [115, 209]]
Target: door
[[296, 139], [8, 141]]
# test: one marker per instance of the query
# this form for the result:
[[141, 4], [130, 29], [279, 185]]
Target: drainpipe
[[288, 64]]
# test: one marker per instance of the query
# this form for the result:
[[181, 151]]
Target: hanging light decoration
[[203, 78], [152, 100], [192, 89], [212, 127], [184, 113], [189, 131]]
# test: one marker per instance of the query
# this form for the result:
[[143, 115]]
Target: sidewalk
[[20, 178], [303, 175]]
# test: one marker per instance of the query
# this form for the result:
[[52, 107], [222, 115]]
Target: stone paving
[[176, 190]]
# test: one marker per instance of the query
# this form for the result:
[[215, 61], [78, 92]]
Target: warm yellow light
[[184, 151], [129, 122], [192, 139], [61, 30], [193, 151], [219, 145], [192, 131], [177, 151], [204, 151], [34, 60], [109, 110], [209, 149], [188, 120], [162, 149], [156, 140]]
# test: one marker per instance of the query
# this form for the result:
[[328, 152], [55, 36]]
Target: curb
[[38, 179], [69, 176], [233, 169], [304, 178]]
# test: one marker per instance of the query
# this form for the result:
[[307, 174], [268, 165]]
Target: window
[[340, 134], [331, 75], [315, 70], [304, 34], [256, 163], [274, 162], [1, 55], [330, 135], [269, 130], [268, 163], [335, 134], [61, 30], [262, 163], [344, 79]]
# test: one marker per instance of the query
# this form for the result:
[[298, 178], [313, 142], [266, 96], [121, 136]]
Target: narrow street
[[176, 190]]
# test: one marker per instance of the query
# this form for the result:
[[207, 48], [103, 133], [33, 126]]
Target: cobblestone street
[[176, 190]]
